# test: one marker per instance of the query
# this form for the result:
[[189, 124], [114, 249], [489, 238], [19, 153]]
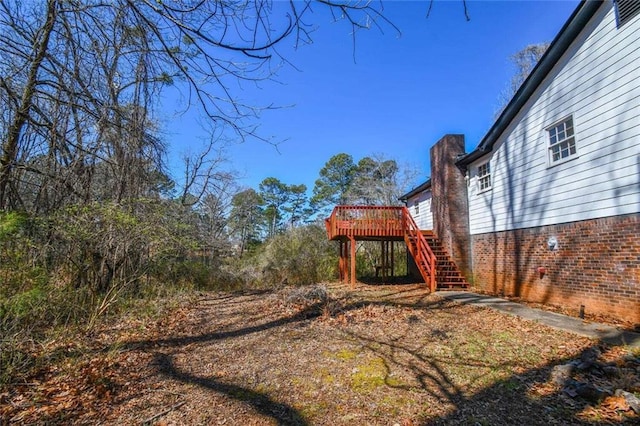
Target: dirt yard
[[321, 355]]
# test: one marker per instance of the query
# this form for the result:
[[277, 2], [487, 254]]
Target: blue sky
[[443, 74]]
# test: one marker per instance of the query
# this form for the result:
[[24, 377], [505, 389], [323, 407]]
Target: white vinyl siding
[[597, 83], [424, 216]]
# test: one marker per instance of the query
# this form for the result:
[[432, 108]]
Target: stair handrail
[[423, 251]]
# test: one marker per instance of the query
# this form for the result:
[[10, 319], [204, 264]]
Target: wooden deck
[[349, 224]]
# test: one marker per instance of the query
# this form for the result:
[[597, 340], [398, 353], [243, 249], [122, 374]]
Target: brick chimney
[[450, 205]]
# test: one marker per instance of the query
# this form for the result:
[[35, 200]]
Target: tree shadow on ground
[[490, 405], [262, 403], [307, 313], [495, 404], [310, 311], [529, 396]]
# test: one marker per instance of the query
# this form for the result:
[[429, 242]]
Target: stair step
[[447, 274], [450, 287]]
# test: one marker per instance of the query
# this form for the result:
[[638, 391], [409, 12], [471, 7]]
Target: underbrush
[[50, 308], [62, 278], [36, 312], [32, 319]]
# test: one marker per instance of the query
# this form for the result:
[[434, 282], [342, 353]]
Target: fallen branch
[[164, 413]]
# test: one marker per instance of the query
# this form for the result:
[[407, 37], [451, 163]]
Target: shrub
[[20, 267], [299, 256]]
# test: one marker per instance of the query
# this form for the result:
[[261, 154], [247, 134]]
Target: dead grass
[[379, 355]]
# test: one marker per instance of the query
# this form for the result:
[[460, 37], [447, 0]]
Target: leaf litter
[[318, 355]]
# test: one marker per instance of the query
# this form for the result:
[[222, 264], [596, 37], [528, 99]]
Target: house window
[[416, 207], [484, 177], [562, 142], [626, 10]]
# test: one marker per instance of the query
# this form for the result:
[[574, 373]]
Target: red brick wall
[[597, 265]]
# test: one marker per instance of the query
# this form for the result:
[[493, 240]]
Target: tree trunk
[[10, 146]]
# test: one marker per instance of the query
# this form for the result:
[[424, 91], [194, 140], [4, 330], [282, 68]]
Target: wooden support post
[[352, 241], [386, 259], [344, 257], [345, 264], [383, 258], [345, 260], [341, 262], [393, 266]]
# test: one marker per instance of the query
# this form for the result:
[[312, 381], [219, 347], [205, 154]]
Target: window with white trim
[[484, 177], [562, 141], [416, 207]]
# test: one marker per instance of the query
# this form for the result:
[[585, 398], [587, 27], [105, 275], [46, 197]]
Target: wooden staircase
[[348, 224], [448, 276]]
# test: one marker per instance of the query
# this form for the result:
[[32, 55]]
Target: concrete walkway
[[603, 332]]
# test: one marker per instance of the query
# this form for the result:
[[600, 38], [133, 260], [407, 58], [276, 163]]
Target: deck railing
[[365, 221]]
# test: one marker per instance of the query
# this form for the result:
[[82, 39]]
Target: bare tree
[[524, 61], [79, 133], [22, 101], [99, 66], [78, 89], [204, 173], [213, 212]]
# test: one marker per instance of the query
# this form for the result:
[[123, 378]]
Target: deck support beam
[[343, 264], [340, 262], [387, 265], [393, 266], [352, 242], [383, 258]]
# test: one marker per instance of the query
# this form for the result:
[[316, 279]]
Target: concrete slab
[[605, 333]]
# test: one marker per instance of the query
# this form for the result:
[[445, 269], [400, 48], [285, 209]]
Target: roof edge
[[418, 189], [568, 33]]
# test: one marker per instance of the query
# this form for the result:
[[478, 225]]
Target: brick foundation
[[597, 264]]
